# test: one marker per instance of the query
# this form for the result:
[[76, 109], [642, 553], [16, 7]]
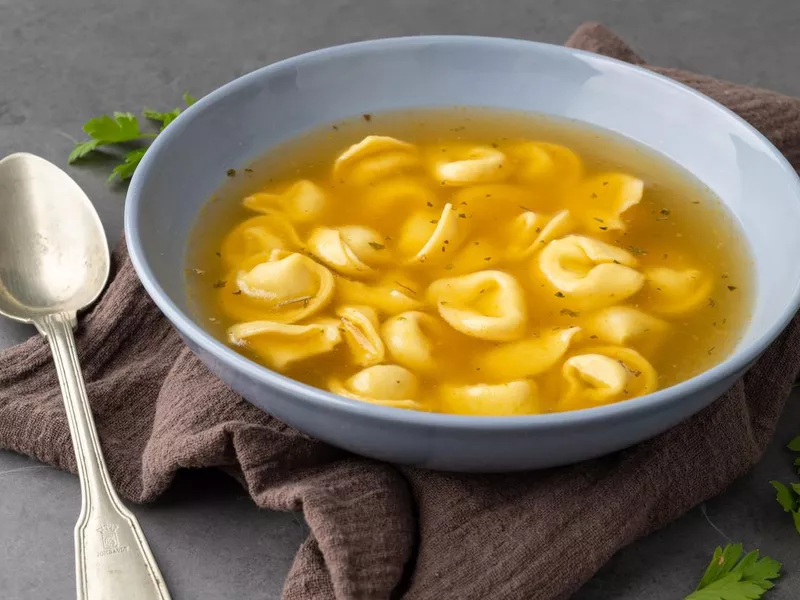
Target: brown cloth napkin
[[380, 531]]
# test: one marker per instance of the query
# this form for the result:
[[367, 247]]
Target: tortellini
[[677, 291], [589, 273], [389, 385], [286, 288], [259, 235], [489, 305], [360, 326], [606, 374], [539, 162], [388, 297], [374, 158], [431, 240], [528, 357], [494, 201], [487, 400], [467, 165], [484, 279], [530, 231], [411, 338], [367, 244], [606, 197], [348, 250], [628, 326], [402, 194], [281, 344], [301, 202]]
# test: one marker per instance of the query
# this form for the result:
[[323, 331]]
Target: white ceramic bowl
[[243, 119]]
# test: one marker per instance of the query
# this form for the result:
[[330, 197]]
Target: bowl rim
[[323, 400]]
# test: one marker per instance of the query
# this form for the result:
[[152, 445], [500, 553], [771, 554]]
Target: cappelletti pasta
[[485, 275]]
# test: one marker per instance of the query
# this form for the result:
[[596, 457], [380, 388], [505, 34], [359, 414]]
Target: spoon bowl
[[53, 251]]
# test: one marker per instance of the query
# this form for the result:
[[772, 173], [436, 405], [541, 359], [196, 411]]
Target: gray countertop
[[62, 63]]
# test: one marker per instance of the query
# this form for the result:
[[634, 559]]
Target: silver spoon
[[54, 262]]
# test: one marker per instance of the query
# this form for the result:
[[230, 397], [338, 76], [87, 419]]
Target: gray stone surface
[[64, 62]]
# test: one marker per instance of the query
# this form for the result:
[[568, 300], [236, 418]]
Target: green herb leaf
[[105, 130], [728, 578], [122, 128], [125, 170], [721, 563], [789, 497], [165, 118], [81, 149], [730, 587], [786, 498], [154, 115]]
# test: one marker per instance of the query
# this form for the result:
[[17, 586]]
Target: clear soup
[[471, 261]]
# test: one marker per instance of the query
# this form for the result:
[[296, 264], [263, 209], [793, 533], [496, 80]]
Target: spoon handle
[[112, 558]]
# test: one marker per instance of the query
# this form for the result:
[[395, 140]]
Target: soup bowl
[[242, 120]]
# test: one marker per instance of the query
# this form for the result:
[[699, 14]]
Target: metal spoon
[[54, 262]]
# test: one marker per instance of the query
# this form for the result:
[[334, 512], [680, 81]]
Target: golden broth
[[466, 191]]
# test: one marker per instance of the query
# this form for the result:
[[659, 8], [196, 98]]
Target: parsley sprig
[[789, 496], [122, 128], [731, 576]]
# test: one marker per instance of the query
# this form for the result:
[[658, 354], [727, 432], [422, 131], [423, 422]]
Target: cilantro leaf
[[81, 149], [722, 562], [795, 511], [125, 170], [165, 118], [124, 127], [785, 496], [729, 578], [161, 116], [729, 587], [789, 496], [105, 130], [121, 128], [149, 113]]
